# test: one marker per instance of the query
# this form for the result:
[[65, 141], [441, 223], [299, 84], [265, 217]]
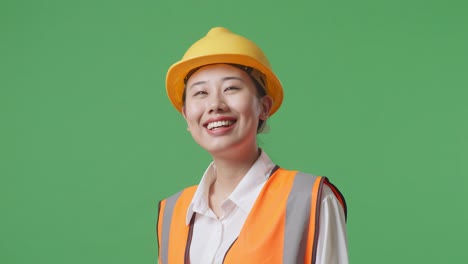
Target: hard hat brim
[[176, 74]]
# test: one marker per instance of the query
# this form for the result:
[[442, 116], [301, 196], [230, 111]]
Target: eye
[[198, 93], [231, 88]]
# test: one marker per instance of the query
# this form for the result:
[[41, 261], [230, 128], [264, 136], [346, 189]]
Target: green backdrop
[[375, 98]]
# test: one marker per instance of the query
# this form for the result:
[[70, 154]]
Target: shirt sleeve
[[332, 245]]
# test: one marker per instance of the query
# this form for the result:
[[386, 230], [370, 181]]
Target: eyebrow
[[224, 79]]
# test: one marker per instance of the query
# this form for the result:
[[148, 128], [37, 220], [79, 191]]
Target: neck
[[230, 171]]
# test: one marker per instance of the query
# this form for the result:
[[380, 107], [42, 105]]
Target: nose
[[217, 103]]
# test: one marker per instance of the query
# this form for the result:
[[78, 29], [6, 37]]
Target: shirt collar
[[243, 196]]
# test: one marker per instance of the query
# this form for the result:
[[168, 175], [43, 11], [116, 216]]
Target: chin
[[229, 147], [219, 148]]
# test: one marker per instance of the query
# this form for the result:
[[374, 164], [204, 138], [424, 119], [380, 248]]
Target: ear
[[266, 103]]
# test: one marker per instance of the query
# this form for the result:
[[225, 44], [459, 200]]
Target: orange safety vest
[[282, 226]]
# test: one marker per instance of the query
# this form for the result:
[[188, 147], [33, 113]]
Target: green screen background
[[375, 98]]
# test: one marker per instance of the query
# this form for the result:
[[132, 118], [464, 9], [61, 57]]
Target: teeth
[[219, 124]]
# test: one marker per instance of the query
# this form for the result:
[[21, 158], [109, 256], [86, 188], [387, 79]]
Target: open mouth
[[221, 123]]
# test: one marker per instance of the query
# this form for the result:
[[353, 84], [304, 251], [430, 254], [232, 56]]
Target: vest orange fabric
[[282, 226]]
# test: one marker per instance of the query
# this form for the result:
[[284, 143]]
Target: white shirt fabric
[[213, 236]]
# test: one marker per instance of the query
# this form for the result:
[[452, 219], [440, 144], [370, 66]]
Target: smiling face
[[222, 109]]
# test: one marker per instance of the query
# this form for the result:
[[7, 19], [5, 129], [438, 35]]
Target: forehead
[[217, 71]]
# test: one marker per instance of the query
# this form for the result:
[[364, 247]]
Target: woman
[[245, 209]]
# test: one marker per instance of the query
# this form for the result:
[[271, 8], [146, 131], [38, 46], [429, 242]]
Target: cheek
[[250, 107], [193, 112]]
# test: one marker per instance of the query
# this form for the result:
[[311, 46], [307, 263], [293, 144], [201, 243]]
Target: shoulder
[[321, 185], [300, 182], [332, 198], [189, 191], [311, 185], [179, 201], [327, 194]]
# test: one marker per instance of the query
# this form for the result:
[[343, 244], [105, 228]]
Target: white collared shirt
[[212, 236]]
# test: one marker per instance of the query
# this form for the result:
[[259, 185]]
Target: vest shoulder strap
[[171, 225]]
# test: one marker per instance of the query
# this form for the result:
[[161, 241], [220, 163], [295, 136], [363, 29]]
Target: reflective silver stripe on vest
[[297, 218], [166, 226]]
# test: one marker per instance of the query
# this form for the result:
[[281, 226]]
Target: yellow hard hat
[[222, 46]]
